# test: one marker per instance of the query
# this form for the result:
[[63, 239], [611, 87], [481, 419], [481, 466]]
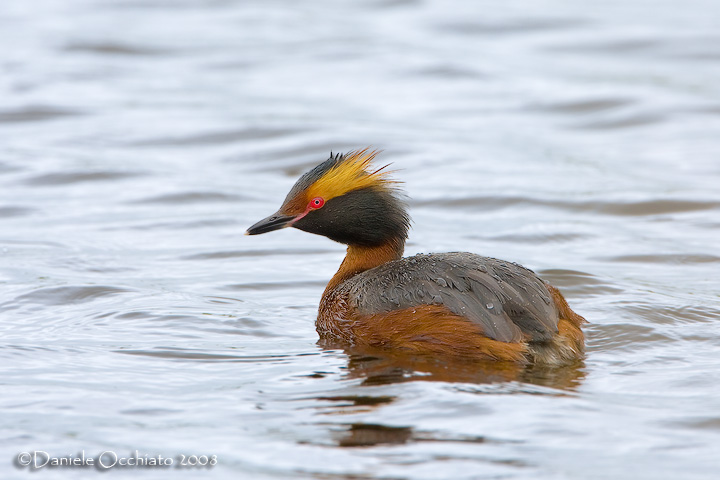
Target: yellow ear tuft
[[352, 173]]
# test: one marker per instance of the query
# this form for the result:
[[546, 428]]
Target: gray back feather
[[509, 302]]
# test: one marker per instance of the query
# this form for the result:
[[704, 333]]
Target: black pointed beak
[[276, 221]]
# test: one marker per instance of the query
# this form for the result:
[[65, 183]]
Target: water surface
[[140, 139]]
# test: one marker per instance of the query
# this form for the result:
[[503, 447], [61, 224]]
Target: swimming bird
[[460, 304]]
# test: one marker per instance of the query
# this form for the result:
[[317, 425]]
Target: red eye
[[316, 202]]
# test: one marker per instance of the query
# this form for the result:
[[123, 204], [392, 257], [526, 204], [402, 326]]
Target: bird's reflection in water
[[369, 434], [381, 367]]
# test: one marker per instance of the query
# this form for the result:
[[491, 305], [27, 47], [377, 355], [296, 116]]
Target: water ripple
[[194, 355], [191, 197], [67, 295], [219, 138], [620, 208], [68, 178], [37, 114], [15, 211], [666, 258]]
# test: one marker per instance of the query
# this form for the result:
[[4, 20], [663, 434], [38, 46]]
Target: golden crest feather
[[352, 173]]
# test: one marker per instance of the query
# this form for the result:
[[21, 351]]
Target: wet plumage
[[457, 304], [508, 302]]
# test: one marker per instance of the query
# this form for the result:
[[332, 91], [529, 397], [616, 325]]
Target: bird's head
[[345, 200]]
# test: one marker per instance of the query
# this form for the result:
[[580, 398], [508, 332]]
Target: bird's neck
[[358, 259]]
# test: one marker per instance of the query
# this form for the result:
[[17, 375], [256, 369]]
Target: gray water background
[[138, 140]]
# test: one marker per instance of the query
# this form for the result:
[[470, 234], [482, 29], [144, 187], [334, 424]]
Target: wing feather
[[509, 302]]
